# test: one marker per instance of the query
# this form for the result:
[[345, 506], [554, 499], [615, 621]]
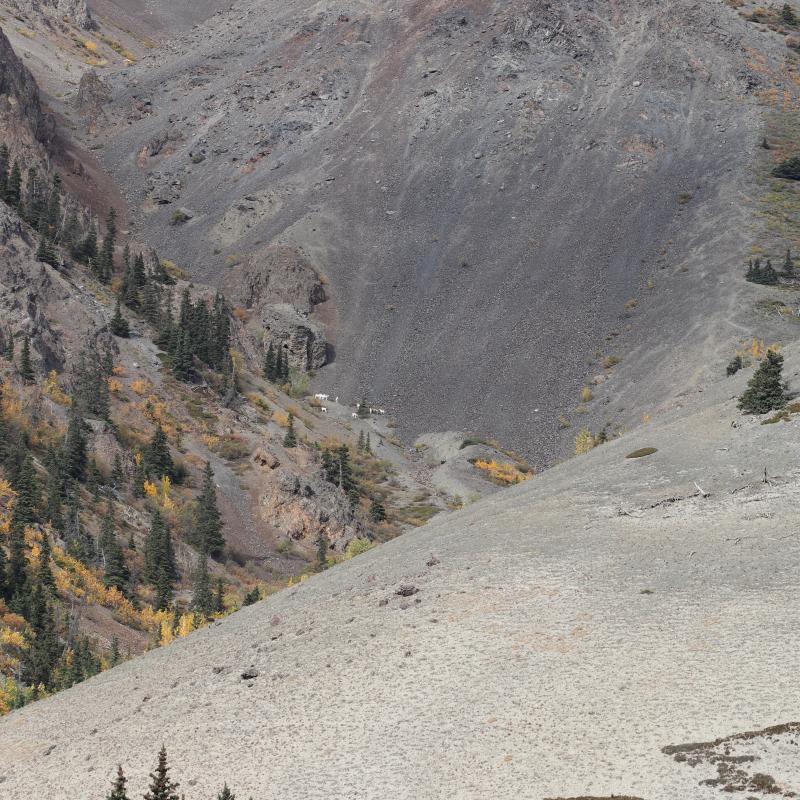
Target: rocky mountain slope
[[581, 635], [500, 195], [79, 352], [519, 218]]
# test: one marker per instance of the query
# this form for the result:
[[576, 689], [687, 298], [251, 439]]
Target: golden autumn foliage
[[141, 386], [281, 418], [757, 349], [53, 390], [584, 442], [505, 474], [160, 492]]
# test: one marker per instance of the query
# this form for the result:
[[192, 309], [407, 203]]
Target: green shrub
[[788, 169]]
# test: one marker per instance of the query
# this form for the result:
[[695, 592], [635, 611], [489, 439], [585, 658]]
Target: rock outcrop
[[277, 274], [305, 508], [39, 302], [61, 13], [280, 288], [23, 120], [301, 338], [92, 95]]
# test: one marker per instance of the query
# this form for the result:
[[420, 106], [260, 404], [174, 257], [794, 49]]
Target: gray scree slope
[[484, 184], [561, 634]]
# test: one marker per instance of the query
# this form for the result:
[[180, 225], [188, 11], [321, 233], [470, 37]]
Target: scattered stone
[[406, 590], [249, 674]]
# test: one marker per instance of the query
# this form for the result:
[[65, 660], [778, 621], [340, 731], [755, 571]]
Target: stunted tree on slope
[[766, 390]]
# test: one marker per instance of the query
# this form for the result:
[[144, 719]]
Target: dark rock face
[[20, 107]]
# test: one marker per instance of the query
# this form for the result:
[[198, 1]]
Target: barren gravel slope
[[485, 185], [562, 634]]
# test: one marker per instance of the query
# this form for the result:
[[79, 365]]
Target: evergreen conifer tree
[[226, 794], [4, 156], [208, 521], [25, 366], [161, 786], [45, 252], [765, 391], [17, 570], [75, 458], [157, 458], [14, 186], [377, 511], [26, 486], [269, 364], [118, 788], [8, 353], [114, 655], [43, 650], [182, 360], [253, 596], [368, 445], [290, 440], [117, 472], [119, 325], [44, 574], [362, 409], [116, 573]]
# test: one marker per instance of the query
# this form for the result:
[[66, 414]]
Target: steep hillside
[[500, 195], [140, 426], [619, 626]]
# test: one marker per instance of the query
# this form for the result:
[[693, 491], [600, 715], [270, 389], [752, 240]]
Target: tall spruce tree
[[14, 186], [74, 458], [269, 364], [43, 650], [25, 366], [161, 786], [157, 458], [118, 324], [44, 573], [26, 485], [766, 390], [208, 520], [226, 794], [4, 156]]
